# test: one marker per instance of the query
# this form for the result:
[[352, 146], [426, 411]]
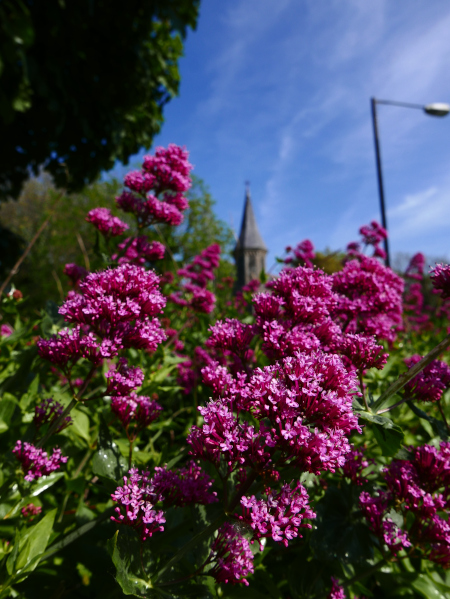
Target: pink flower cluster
[[417, 493], [125, 403], [140, 493], [36, 462], [139, 251], [355, 463], [372, 235], [6, 330], [440, 277], [337, 592], [184, 486], [139, 409], [416, 313], [232, 555], [303, 254], [167, 175], [280, 515], [48, 411], [196, 276], [303, 404], [30, 511], [69, 345], [416, 267], [116, 305], [136, 501], [369, 298], [75, 273], [106, 223], [232, 338], [430, 383]]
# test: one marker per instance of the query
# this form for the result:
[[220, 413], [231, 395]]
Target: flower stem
[[441, 409], [363, 391], [393, 406], [363, 575], [411, 373]]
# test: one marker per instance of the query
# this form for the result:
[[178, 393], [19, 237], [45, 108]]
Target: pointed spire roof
[[249, 237]]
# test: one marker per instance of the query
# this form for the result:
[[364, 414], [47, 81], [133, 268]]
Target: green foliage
[[57, 57]]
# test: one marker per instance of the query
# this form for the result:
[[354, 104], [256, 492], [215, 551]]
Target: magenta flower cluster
[[106, 223], [372, 235], [75, 273], [370, 298], [337, 592], [304, 408], [129, 407], [280, 515], [440, 277], [47, 412], [195, 277], [184, 486], [139, 409], [355, 463], [417, 493], [36, 462], [6, 330], [30, 511], [430, 383], [232, 556], [157, 191], [136, 501], [303, 254], [139, 251], [115, 309]]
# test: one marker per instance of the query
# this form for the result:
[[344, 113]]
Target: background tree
[[69, 238], [83, 84]]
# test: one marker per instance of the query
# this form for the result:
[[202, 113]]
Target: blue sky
[[278, 92]]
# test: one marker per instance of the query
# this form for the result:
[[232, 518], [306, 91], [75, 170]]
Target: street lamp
[[436, 109]]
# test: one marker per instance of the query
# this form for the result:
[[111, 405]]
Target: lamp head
[[437, 109]]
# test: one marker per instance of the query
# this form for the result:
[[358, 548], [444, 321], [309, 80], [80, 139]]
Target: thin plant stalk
[[410, 374]]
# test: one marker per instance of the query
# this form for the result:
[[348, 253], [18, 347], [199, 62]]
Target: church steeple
[[250, 252]]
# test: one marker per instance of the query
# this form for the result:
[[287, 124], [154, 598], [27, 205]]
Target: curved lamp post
[[437, 109]]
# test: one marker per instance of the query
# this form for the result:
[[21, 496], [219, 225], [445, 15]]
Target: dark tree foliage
[[83, 83]]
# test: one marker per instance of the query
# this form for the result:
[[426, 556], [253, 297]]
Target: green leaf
[[125, 555], [389, 436], [438, 426], [339, 532], [45, 483], [30, 395], [76, 534], [11, 561], [108, 461], [8, 404], [33, 543], [428, 588], [81, 425]]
